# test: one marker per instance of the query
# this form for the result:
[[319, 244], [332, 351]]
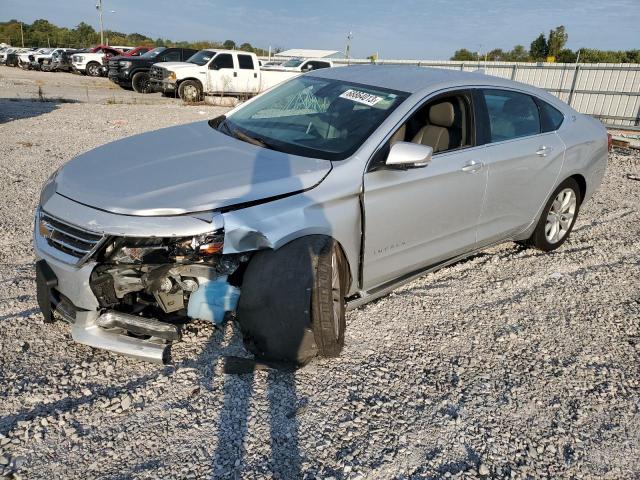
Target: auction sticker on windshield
[[361, 97]]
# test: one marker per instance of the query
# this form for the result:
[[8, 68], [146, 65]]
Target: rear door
[[246, 77], [523, 161]]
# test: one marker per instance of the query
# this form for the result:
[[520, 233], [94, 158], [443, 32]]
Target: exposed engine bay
[[149, 286]]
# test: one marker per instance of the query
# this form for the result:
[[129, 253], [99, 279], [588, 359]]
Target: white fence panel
[[610, 92]]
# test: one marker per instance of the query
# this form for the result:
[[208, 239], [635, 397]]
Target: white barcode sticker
[[361, 97]]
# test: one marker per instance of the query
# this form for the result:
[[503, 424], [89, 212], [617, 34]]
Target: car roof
[[408, 78]]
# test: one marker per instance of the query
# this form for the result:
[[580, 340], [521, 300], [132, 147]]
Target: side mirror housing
[[409, 155], [213, 66]]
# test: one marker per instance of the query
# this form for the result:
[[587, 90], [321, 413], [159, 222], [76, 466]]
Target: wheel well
[[190, 78], [582, 184]]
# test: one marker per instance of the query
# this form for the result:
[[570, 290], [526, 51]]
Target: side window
[[444, 123], [224, 60], [171, 56], [550, 117], [511, 114], [246, 62]]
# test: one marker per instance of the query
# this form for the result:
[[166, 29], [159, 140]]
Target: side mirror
[[213, 66], [409, 155]]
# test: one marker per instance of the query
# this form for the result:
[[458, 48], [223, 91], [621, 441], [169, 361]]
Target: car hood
[[175, 65], [184, 169]]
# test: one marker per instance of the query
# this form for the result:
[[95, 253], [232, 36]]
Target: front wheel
[[93, 69], [140, 82], [190, 91], [558, 217], [292, 305]]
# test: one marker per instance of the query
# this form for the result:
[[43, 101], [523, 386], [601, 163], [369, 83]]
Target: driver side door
[[419, 217]]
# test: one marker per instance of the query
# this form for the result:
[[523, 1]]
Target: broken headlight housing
[[199, 248]]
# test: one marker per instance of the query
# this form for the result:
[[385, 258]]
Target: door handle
[[472, 167], [544, 150], [235, 74]]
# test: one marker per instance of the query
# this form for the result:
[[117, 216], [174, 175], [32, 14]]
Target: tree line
[[551, 45], [42, 33]]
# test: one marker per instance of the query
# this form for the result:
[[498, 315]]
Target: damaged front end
[[145, 288]]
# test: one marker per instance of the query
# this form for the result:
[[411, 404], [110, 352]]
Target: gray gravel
[[512, 364]]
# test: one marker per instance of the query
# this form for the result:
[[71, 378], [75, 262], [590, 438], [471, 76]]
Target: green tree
[[539, 48], [518, 54], [246, 47], [229, 45], [496, 55], [557, 40], [464, 55], [566, 55]]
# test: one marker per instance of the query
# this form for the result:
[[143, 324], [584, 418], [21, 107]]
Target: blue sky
[[428, 29]]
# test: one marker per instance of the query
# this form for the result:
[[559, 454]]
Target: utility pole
[[99, 8], [347, 50], [22, 34]]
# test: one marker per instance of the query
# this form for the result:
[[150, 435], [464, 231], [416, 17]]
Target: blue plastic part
[[212, 299]]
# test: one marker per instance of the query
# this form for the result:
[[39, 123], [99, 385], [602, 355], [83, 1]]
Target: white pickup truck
[[216, 72]]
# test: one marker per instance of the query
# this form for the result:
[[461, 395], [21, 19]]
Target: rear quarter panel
[[586, 150]]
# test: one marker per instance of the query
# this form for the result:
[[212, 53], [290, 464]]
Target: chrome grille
[[158, 73], [68, 239]]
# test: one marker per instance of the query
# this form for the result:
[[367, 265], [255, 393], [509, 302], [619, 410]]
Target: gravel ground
[[31, 84], [512, 364]]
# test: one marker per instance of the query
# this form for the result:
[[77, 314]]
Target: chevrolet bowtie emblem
[[46, 229]]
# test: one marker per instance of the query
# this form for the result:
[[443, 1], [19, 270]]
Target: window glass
[[511, 115], [224, 60], [551, 118], [171, 56], [246, 62], [316, 117], [202, 57], [155, 52]]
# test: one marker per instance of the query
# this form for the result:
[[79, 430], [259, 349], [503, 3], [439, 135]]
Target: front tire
[[292, 303], [93, 69], [190, 91], [558, 217], [140, 82]]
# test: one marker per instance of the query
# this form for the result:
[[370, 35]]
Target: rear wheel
[[292, 303], [93, 69], [558, 217], [190, 91], [140, 82]]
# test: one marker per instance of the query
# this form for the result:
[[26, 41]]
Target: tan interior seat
[[436, 133], [399, 136]]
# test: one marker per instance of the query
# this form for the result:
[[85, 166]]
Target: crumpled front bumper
[[70, 294]]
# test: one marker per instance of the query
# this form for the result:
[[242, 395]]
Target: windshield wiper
[[246, 138], [220, 123]]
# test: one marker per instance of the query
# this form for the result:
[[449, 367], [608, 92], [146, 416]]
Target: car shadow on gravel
[[20, 108]]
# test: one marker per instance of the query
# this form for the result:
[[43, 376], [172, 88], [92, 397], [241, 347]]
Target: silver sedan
[[319, 195]]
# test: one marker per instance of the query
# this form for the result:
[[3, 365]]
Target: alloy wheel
[[561, 215]]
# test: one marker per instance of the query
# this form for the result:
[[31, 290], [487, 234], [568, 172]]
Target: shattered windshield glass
[[314, 117]]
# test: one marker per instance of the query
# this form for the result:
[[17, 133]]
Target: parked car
[[320, 195], [90, 63], [4, 52], [133, 72], [304, 64], [60, 61], [38, 60], [26, 57], [211, 72]]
